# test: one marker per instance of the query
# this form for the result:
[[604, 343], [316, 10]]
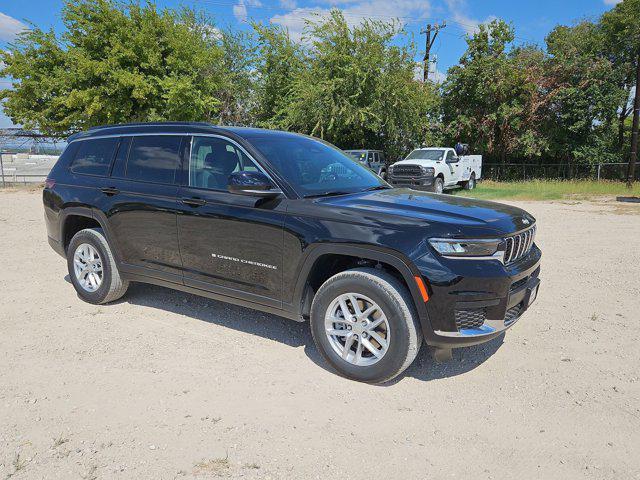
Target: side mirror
[[255, 184]]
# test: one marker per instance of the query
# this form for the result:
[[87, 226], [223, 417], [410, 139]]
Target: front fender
[[370, 252]]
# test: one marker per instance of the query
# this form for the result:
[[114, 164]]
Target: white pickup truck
[[436, 169]]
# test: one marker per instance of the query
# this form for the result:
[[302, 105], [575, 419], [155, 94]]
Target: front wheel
[[438, 185], [365, 325]]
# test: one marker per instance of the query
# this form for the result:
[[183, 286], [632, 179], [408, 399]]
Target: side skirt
[[214, 296]]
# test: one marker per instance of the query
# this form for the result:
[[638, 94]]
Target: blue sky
[[531, 19]]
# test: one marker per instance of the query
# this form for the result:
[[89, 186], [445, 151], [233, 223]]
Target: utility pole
[[631, 172], [432, 32]]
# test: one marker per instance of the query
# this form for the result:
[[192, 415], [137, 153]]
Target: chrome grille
[[470, 318], [406, 171], [517, 246]]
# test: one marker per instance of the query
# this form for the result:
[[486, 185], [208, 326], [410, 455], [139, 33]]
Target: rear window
[[154, 158], [94, 156]]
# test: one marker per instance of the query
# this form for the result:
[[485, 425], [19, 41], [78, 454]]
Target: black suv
[[289, 224]]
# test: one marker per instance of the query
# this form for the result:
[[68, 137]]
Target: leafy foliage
[[353, 85], [357, 89], [116, 63]]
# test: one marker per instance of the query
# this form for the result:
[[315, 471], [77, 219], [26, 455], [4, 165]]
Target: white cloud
[[469, 24], [240, 9], [355, 11], [9, 27], [288, 4], [612, 2]]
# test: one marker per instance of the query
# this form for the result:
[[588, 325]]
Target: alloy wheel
[[87, 266], [357, 329]]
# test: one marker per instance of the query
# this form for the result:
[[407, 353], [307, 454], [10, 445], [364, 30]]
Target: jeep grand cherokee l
[[289, 224]]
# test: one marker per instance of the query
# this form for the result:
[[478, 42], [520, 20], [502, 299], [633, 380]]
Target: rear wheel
[[92, 268], [364, 324], [471, 183]]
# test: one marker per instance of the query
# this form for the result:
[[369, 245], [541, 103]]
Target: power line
[[307, 12]]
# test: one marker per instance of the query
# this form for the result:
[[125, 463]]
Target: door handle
[[194, 202], [110, 191]]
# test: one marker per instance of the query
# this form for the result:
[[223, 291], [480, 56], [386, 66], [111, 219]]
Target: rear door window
[[154, 158], [94, 156]]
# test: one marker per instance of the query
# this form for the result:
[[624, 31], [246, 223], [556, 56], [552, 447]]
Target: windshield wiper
[[377, 187], [330, 193]]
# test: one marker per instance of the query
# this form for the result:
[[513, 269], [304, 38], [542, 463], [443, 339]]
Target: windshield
[[360, 155], [426, 155], [314, 167]]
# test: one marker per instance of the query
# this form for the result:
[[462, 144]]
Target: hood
[[417, 161], [457, 215]]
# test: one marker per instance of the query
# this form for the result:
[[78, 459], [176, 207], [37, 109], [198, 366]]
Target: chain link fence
[[555, 171]]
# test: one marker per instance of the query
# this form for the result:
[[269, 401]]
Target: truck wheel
[[364, 324], [471, 183], [438, 185], [92, 268]]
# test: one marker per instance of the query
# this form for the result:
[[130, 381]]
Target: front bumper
[[417, 183], [478, 303]]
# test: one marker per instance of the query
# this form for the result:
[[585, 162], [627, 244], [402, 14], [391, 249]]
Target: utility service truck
[[435, 169]]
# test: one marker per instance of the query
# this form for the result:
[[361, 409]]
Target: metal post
[[635, 126], [599, 165], [2, 170]]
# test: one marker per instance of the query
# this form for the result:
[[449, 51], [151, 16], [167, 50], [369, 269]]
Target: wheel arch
[[316, 258], [74, 219]]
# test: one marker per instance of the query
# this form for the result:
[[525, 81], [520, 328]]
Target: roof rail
[[149, 124]]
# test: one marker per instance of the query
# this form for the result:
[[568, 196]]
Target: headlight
[[456, 247], [428, 170]]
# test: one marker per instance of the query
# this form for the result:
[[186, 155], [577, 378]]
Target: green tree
[[583, 95], [280, 60], [115, 62], [358, 88], [621, 41], [492, 99]]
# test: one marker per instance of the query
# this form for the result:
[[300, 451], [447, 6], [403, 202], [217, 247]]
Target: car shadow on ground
[[294, 334]]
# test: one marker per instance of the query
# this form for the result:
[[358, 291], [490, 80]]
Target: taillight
[[49, 183]]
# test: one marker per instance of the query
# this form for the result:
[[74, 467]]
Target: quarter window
[[94, 156], [213, 160], [154, 158]]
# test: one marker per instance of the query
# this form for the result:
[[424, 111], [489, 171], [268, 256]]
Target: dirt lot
[[167, 385]]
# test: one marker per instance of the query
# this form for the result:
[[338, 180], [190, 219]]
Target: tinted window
[[213, 160], [154, 158], [314, 167], [120, 163], [94, 156], [449, 155], [426, 155]]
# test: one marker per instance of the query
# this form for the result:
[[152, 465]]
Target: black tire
[[438, 185], [396, 303], [471, 183], [112, 286]]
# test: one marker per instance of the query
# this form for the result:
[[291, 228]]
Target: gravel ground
[[166, 385]]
